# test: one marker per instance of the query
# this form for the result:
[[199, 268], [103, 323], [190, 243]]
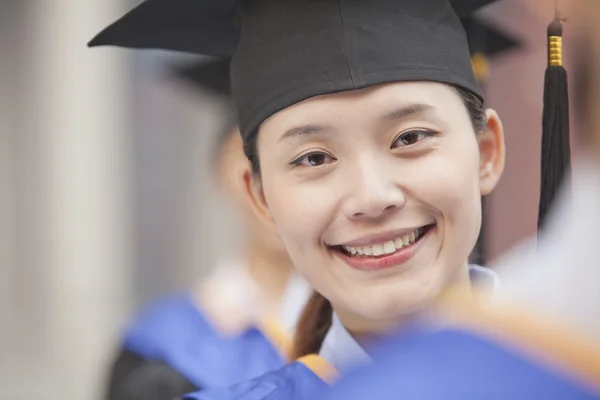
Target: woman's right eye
[[313, 159]]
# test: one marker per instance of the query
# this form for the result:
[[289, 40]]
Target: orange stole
[[278, 337]]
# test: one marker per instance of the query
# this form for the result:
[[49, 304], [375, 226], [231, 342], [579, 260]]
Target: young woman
[[238, 322], [370, 150]]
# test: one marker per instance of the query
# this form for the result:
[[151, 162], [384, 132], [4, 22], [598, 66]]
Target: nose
[[375, 193]]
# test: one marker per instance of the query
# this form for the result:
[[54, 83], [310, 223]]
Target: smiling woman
[[370, 150], [392, 193]]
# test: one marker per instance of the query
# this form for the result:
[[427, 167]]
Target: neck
[[365, 330], [271, 271]]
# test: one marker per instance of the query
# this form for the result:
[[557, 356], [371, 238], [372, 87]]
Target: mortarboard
[[284, 52], [485, 43], [212, 75]]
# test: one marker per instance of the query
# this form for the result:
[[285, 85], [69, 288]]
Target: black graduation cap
[[211, 75], [485, 41], [209, 27], [286, 51]]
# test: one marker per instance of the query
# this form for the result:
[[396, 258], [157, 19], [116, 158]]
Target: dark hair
[[312, 326], [251, 151], [472, 103], [315, 320], [474, 106]]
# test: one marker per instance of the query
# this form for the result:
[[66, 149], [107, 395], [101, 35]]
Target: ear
[[256, 198], [491, 153]]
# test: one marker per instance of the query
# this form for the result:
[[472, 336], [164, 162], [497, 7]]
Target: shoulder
[[465, 363], [172, 319], [295, 381], [175, 332]]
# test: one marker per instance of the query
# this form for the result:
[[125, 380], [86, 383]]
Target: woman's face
[[376, 192]]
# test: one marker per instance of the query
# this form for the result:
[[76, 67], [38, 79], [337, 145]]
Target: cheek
[[450, 184], [301, 212], [461, 205]]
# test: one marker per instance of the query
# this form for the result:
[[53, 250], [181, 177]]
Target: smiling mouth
[[387, 248]]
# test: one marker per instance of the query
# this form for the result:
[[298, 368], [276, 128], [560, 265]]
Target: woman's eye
[[409, 138], [314, 159]]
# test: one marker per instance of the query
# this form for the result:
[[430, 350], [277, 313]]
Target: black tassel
[[556, 148]]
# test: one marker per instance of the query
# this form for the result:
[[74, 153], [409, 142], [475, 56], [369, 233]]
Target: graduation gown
[[312, 374], [511, 359], [173, 347]]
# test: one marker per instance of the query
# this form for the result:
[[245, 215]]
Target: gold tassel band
[[555, 58]]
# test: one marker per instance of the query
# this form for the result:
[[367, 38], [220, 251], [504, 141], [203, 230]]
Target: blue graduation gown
[[481, 355], [454, 364], [485, 354], [172, 341]]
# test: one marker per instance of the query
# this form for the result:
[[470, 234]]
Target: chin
[[394, 300]]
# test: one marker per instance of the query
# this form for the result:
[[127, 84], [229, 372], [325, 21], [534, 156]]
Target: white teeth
[[389, 247], [377, 249], [405, 240]]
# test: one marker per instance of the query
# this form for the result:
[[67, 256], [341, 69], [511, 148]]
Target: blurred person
[[235, 324], [369, 162]]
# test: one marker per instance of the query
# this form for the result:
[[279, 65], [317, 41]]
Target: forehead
[[370, 103]]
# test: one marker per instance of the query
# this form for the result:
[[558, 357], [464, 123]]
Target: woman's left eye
[[412, 137], [313, 159]]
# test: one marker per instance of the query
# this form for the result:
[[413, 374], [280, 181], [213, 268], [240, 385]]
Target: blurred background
[[106, 196]]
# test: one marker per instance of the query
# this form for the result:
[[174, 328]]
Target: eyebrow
[[399, 113], [409, 110], [305, 130]]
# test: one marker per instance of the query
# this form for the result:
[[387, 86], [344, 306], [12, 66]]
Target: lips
[[386, 254], [387, 247]]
